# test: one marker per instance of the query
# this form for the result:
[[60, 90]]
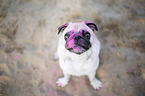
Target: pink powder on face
[[76, 49], [70, 44], [81, 31], [72, 32], [70, 40]]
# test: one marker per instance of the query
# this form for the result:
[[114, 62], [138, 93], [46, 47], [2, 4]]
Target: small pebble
[[131, 84]]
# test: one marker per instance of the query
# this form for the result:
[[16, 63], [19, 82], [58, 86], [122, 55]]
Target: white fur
[[78, 65]]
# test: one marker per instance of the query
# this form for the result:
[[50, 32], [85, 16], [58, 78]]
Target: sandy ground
[[28, 40]]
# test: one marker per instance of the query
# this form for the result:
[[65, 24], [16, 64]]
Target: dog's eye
[[87, 34], [66, 36]]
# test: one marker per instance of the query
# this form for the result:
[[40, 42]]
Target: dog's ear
[[61, 28], [93, 26]]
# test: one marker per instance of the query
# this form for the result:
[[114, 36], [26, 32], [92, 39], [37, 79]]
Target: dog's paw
[[96, 84], [62, 82]]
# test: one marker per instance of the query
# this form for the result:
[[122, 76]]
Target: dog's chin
[[78, 50]]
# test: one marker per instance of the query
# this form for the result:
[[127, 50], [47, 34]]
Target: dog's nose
[[77, 37]]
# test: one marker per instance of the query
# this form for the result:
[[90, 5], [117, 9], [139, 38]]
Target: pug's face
[[77, 42], [78, 36]]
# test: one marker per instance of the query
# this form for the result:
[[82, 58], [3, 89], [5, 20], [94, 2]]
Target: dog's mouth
[[78, 49], [78, 46]]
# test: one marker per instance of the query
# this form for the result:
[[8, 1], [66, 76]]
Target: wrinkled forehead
[[76, 27]]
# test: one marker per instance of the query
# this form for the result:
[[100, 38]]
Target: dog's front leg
[[64, 80], [94, 82]]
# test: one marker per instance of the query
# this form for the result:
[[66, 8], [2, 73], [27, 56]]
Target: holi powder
[[130, 70], [55, 92], [98, 88], [51, 83], [139, 83], [49, 93], [16, 57], [85, 94], [77, 49], [112, 48], [82, 83], [70, 44], [52, 90], [53, 71], [38, 88], [102, 79], [77, 87]]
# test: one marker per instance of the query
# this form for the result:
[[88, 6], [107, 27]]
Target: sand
[[28, 41]]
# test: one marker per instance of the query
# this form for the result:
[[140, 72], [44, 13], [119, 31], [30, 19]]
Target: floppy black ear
[[93, 26], [61, 28]]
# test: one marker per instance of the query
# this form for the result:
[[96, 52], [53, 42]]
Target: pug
[[78, 52]]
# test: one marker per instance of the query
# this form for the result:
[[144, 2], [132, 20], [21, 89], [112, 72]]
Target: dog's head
[[78, 36]]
